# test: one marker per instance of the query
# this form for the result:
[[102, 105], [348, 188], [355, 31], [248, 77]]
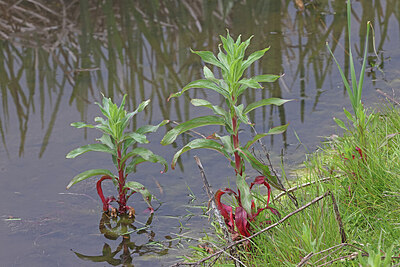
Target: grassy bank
[[361, 170], [364, 176]]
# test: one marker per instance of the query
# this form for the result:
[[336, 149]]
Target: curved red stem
[[100, 191]]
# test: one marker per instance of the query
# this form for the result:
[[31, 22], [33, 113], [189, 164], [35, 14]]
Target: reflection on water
[[122, 228], [142, 49], [56, 57]]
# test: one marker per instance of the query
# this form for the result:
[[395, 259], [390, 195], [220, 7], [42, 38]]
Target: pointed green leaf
[[245, 194], [266, 78], [199, 143], [138, 187], [202, 84], [90, 173], [340, 123], [128, 116], [92, 147], [81, 125], [208, 74], [275, 130], [251, 83], [253, 57], [227, 143], [264, 102], [278, 129], [256, 164], [188, 125], [346, 84], [204, 103], [131, 167], [151, 128], [239, 112], [106, 139], [147, 155], [208, 57], [348, 115], [140, 138]]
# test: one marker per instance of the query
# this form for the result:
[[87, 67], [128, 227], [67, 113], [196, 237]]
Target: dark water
[[57, 57]]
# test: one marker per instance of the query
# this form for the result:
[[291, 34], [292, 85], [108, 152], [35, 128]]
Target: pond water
[[56, 59]]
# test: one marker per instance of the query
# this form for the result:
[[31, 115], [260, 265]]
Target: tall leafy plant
[[354, 88], [120, 143], [232, 65]]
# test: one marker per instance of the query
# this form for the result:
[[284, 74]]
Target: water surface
[[56, 58]]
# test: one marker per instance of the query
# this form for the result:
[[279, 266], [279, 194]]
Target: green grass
[[367, 192]]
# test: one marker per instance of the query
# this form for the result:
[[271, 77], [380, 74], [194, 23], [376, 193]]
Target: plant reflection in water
[[123, 227]]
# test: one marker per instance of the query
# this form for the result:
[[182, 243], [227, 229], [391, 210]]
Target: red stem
[[100, 191], [238, 159], [121, 183]]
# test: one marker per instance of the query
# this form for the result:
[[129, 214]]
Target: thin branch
[[211, 198], [388, 97], [339, 219], [350, 257], [334, 248], [301, 186], [305, 259]]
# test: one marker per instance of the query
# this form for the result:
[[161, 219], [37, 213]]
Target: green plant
[[232, 65], [354, 90], [121, 145]]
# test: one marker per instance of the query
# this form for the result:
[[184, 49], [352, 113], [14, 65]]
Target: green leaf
[[202, 84], [151, 128], [199, 143], [132, 165], [188, 125], [92, 147], [227, 142], [278, 129], [140, 138], [128, 116], [275, 130], [264, 102], [81, 125], [269, 78], [106, 139], [204, 103], [348, 115], [239, 112], [256, 164], [346, 84], [138, 187], [252, 83], [209, 75], [253, 57], [209, 57], [90, 173], [340, 123], [147, 155], [245, 194]]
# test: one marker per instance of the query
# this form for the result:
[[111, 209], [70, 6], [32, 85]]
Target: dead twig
[[338, 219], [334, 248], [388, 97], [217, 214], [291, 196], [211, 198], [305, 259], [292, 189]]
